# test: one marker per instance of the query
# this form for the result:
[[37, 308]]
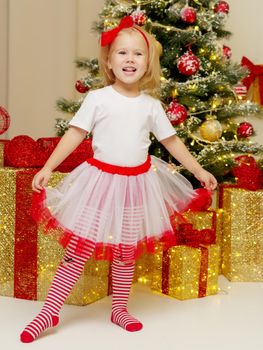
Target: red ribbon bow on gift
[[108, 36], [187, 235], [256, 71]]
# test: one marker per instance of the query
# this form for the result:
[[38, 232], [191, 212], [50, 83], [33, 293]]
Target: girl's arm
[[178, 150], [70, 140]]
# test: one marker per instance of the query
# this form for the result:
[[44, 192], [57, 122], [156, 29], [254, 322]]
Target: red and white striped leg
[[122, 276], [67, 274]]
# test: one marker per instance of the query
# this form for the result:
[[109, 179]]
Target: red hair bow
[[108, 36]]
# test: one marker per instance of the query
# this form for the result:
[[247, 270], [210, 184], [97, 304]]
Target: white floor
[[233, 319]]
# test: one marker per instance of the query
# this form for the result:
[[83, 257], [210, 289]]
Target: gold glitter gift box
[[207, 219], [2, 146], [242, 229], [29, 257], [185, 272]]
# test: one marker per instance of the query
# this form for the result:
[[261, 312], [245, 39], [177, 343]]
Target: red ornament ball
[[188, 14], [227, 52], [139, 17], [221, 6], [245, 130], [81, 87], [4, 120], [176, 113], [188, 63]]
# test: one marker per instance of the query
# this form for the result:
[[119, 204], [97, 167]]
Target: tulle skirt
[[130, 213]]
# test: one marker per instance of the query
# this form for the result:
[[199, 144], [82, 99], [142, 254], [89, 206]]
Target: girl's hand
[[207, 179], [41, 179]]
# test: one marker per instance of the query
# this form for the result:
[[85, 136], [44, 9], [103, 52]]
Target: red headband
[[109, 36]]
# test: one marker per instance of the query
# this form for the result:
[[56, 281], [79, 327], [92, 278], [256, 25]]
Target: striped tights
[[67, 275]]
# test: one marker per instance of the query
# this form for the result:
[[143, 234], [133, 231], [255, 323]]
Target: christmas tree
[[201, 87]]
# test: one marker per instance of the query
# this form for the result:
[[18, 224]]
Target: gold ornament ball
[[159, 47], [211, 130]]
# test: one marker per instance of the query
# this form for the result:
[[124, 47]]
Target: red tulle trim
[[121, 170], [102, 251]]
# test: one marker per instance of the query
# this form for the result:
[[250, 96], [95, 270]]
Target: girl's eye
[[122, 52], [138, 53]]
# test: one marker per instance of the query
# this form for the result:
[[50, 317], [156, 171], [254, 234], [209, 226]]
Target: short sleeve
[[161, 125], [85, 116]]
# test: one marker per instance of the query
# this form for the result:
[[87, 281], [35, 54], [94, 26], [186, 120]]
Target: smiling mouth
[[129, 69]]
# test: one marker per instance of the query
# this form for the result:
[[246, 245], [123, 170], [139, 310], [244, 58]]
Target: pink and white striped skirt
[[124, 208]]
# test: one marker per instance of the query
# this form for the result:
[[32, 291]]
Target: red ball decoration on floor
[[176, 113], [139, 17], [188, 63], [188, 14], [4, 120], [227, 52], [221, 6], [245, 130], [81, 87]]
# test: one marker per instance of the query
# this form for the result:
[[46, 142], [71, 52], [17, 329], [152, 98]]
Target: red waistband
[[121, 170]]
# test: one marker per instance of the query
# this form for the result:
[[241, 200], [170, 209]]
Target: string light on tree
[[228, 135], [213, 56], [176, 113], [202, 51], [211, 129], [216, 101], [221, 7], [230, 131], [188, 64], [158, 152], [193, 87], [245, 130], [175, 93], [188, 14]]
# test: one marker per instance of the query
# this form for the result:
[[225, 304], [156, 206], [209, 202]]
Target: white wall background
[[39, 41], [245, 23]]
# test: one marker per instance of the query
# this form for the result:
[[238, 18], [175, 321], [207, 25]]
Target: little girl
[[120, 201]]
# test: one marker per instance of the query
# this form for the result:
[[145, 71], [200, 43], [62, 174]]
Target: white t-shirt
[[121, 125]]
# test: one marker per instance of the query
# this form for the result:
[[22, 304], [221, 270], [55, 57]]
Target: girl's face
[[128, 59]]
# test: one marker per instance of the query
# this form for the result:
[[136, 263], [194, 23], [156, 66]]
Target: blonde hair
[[150, 82]]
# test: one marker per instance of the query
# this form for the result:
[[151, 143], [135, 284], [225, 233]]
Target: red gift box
[[23, 152]]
